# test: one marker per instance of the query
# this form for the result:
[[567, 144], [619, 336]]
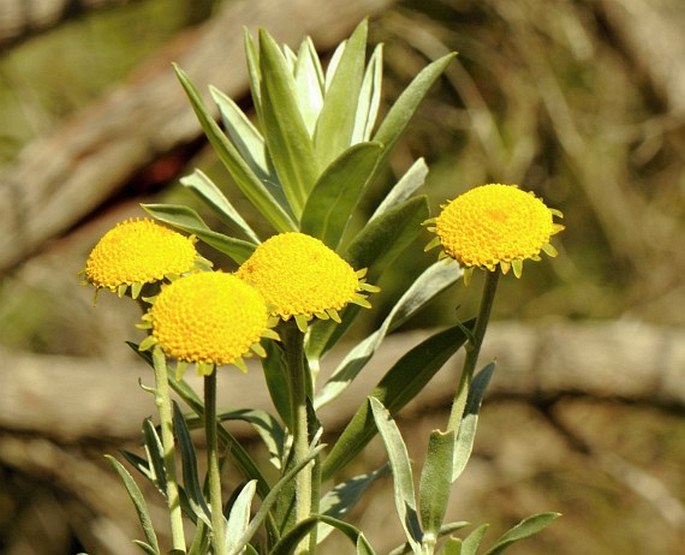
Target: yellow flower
[[300, 277], [136, 252], [495, 225], [208, 318]]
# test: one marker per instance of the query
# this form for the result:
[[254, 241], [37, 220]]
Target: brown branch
[[58, 180], [71, 399]]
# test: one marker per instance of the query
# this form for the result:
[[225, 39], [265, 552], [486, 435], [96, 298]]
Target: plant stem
[[473, 349], [293, 344], [163, 402], [213, 472]]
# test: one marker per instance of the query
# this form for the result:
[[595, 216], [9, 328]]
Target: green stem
[[473, 350], [293, 344], [163, 402], [213, 472]]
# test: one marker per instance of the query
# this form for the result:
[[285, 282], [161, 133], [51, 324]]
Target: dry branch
[[58, 180], [71, 399]]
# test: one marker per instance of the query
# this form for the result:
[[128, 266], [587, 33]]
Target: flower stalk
[[213, 470], [473, 349], [293, 345], [163, 403]]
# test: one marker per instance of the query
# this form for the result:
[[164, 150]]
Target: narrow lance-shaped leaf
[[401, 112], [408, 184], [249, 142], [471, 543], [336, 121], [138, 502], [289, 144], [524, 529], [337, 192], [206, 189], [188, 220], [375, 247], [433, 280], [309, 82], [369, 98], [400, 385], [239, 517], [467, 427], [402, 477], [244, 177], [434, 486]]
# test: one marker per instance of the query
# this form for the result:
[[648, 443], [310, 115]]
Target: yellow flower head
[[495, 225], [136, 252], [208, 318], [300, 277]]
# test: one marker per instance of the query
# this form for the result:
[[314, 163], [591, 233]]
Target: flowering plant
[[306, 163]]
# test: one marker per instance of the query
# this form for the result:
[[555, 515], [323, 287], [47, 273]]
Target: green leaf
[[244, 177], [403, 480], [309, 83], [374, 248], [408, 184], [155, 453], [147, 548], [337, 191], [289, 541], [139, 503], [267, 427], [399, 386], [451, 547], [239, 517], [434, 486], [201, 539], [191, 481], [339, 500], [244, 135], [270, 500], [186, 219], [253, 72], [527, 527], [369, 98], [469, 421], [205, 188], [289, 144], [401, 112], [471, 543], [336, 122], [433, 280], [275, 373], [445, 530]]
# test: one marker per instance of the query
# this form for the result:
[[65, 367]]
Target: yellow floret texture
[[494, 224], [208, 317], [138, 251], [299, 275]]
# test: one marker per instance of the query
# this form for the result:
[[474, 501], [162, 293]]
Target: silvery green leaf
[[344, 496], [244, 135], [471, 543], [139, 503], [205, 188], [469, 421], [369, 98], [408, 184], [239, 517], [337, 191], [253, 72], [336, 121], [435, 482], [333, 64], [287, 139], [267, 427], [527, 527], [309, 84], [290, 58], [241, 172], [403, 481], [433, 280]]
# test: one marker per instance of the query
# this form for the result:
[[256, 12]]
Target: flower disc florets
[[495, 225], [300, 277], [136, 252], [208, 318]]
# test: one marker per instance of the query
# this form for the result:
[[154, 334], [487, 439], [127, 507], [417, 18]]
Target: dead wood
[[69, 399]]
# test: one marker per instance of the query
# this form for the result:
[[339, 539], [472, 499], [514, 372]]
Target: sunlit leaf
[[527, 527], [434, 486], [369, 98]]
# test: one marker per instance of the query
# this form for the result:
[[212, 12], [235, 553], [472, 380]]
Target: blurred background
[[582, 102]]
